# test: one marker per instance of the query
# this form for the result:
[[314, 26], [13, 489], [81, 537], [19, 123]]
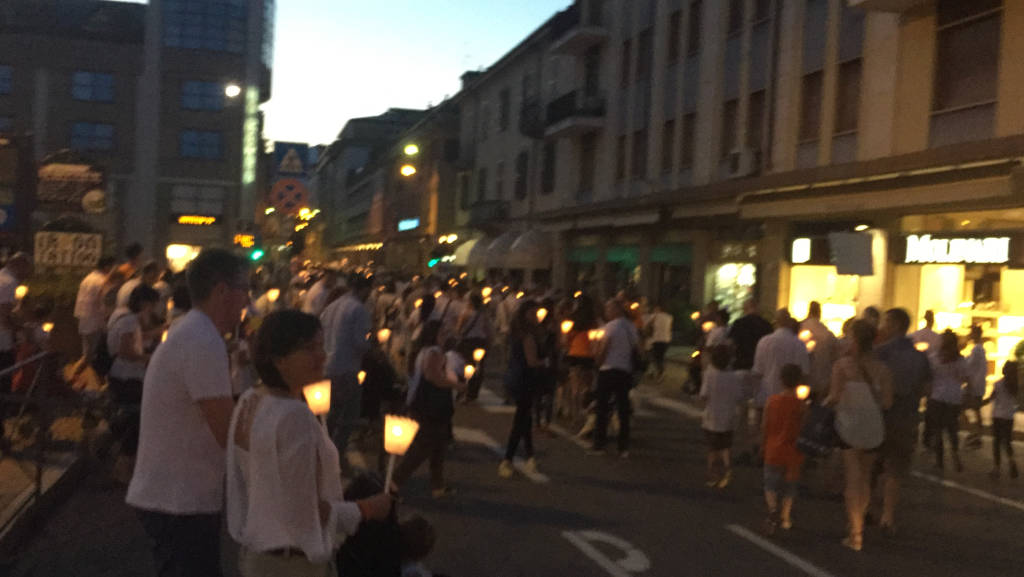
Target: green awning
[[673, 254], [584, 254]]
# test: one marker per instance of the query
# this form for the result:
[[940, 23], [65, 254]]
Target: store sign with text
[[929, 249]]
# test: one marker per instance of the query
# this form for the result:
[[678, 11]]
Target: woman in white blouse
[[126, 344], [285, 505]]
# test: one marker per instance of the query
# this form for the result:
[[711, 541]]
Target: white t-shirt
[[8, 287], [124, 322], [661, 327], [1004, 405], [179, 468], [619, 339], [274, 488], [722, 392], [89, 304], [948, 380], [316, 298], [125, 292], [773, 352]]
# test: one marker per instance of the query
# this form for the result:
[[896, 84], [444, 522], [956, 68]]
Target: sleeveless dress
[[859, 420]]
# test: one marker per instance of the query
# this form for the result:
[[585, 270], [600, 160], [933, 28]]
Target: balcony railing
[[575, 112]]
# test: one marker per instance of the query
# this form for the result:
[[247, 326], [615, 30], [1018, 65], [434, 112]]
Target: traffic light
[[256, 254]]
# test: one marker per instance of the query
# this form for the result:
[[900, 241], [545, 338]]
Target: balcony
[[574, 30], [575, 113], [531, 124], [898, 6], [486, 213]]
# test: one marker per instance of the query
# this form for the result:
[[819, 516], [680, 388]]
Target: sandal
[[854, 542]]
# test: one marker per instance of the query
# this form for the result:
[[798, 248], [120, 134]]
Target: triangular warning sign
[[291, 164]]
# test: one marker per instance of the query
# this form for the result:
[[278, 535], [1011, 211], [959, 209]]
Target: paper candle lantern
[[707, 326], [163, 337], [318, 397], [805, 335], [634, 306], [273, 294], [398, 434], [520, 295], [469, 371], [478, 355], [487, 301], [542, 314], [47, 327], [695, 354], [21, 291], [695, 316], [383, 335], [811, 346], [566, 327], [418, 303], [802, 392], [577, 294], [361, 376], [486, 292], [921, 347], [438, 294]]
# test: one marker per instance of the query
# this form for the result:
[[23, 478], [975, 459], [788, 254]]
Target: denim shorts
[[775, 481]]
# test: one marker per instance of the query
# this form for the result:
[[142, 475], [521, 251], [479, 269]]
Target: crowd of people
[[209, 367]]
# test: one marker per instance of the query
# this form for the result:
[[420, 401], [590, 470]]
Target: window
[[693, 29], [735, 16], [92, 86], [967, 61], [92, 136], [499, 180], [640, 153], [6, 73], [645, 55], [196, 95], [504, 110], [217, 25], [481, 185], [548, 170], [675, 26], [627, 55], [668, 145], [204, 200], [200, 144], [729, 113], [689, 135], [810, 107], [755, 120], [848, 97], [588, 162], [620, 158], [522, 174]]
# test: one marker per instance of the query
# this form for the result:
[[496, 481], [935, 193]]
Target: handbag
[[818, 435]]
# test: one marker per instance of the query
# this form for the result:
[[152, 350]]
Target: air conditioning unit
[[744, 162]]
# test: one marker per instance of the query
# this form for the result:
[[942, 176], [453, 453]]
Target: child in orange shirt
[[783, 417]]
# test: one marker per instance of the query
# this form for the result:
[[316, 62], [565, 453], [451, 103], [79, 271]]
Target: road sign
[[289, 195], [71, 249], [290, 159]]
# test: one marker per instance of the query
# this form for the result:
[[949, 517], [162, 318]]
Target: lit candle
[[695, 316], [577, 294], [811, 346], [383, 335], [599, 334], [707, 326], [487, 301], [318, 397], [923, 347], [438, 294], [47, 327], [542, 314], [20, 292], [695, 354], [566, 327], [273, 294], [361, 376], [163, 337], [468, 372], [486, 292], [418, 303], [805, 335], [478, 355], [802, 392], [634, 306], [398, 434]]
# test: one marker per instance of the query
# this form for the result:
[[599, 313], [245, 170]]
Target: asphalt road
[[595, 516]]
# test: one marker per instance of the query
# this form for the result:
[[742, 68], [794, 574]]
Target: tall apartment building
[[162, 97]]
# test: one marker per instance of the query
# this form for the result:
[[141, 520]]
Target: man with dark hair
[[746, 332], [178, 484], [346, 327], [89, 310], [133, 256], [148, 276], [911, 374]]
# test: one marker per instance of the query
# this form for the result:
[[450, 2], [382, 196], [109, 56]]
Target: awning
[[531, 250], [477, 256], [462, 254], [498, 251]]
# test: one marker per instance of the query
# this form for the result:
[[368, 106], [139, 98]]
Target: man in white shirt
[[824, 354], [18, 270], [977, 383], [178, 484], [149, 275], [927, 335], [89, 309], [347, 327], [314, 301], [615, 376], [660, 327], [781, 348]]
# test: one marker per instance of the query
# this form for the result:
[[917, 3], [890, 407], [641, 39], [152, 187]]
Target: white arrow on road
[[633, 562]]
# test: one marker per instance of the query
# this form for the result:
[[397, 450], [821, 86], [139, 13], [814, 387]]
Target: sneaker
[[531, 466], [505, 469]]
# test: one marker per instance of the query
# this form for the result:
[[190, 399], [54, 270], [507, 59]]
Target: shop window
[[203, 200], [675, 27], [848, 97], [92, 86], [196, 95], [481, 185], [729, 113], [504, 110], [620, 158], [689, 137], [755, 120], [967, 58], [668, 145], [693, 39], [735, 16], [6, 74], [640, 154], [645, 55], [549, 167], [92, 136], [627, 55], [200, 144], [810, 107], [522, 174], [588, 160]]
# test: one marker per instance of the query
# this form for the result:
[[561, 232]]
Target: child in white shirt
[[1004, 406], [722, 390]]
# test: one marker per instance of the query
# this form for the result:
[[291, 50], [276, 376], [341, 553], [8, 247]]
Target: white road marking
[[790, 558], [478, 437], [1011, 503], [678, 407], [634, 562]]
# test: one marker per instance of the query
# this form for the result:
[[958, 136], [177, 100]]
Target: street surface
[[601, 516]]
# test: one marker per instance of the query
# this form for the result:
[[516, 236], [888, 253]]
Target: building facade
[[162, 97]]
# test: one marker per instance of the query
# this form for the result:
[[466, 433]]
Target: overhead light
[[861, 227]]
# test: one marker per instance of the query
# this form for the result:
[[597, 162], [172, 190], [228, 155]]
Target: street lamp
[[408, 170], [411, 150], [232, 90]]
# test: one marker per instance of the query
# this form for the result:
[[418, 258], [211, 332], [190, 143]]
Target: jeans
[[944, 418], [346, 408], [615, 383], [1002, 431], [430, 443], [522, 427], [184, 545]]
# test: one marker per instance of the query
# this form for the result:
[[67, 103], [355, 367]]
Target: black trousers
[[1002, 431], [522, 427], [430, 443], [943, 418], [127, 394], [184, 545], [613, 383], [658, 351]]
